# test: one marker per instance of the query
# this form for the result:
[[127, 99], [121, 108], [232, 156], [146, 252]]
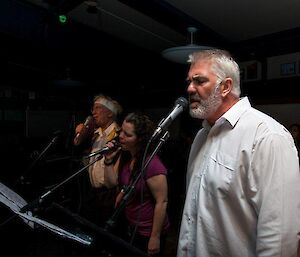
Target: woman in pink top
[[146, 208]]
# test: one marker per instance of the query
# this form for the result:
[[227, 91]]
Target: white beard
[[207, 107]]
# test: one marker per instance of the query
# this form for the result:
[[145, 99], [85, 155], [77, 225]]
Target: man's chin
[[195, 114]]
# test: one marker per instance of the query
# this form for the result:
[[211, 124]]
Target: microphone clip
[[102, 151], [180, 105]]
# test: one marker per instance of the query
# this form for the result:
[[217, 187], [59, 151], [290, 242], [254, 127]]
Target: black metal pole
[[41, 198]]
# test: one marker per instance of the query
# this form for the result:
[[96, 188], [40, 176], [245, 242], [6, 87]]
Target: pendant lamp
[[181, 54]]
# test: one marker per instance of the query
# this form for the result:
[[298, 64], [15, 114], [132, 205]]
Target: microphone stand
[[52, 142], [32, 165], [130, 188], [41, 198]]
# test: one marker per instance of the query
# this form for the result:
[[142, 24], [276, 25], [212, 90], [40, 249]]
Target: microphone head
[[57, 133], [86, 131], [89, 121], [182, 102]]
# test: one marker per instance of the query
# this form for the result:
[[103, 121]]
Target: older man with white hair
[[99, 200]]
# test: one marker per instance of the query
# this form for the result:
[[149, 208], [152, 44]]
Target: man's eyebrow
[[197, 77]]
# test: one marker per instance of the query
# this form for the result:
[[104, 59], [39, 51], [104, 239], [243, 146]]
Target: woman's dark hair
[[143, 129]]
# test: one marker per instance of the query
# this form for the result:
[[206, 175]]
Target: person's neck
[[133, 153], [221, 110], [106, 125]]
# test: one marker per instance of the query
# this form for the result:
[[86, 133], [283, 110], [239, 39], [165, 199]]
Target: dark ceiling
[[76, 60]]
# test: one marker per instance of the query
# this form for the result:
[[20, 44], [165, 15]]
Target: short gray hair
[[223, 65]]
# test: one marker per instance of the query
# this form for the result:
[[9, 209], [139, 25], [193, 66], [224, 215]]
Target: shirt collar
[[236, 111], [108, 130], [232, 115]]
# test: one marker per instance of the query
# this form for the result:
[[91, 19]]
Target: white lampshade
[[181, 54]]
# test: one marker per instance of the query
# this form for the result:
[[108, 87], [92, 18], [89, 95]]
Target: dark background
[[49, 75]]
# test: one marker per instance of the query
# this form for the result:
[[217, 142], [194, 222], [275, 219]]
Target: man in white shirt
[[243, 181]]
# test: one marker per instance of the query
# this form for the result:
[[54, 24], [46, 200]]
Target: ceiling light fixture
[[67, 80], [181, 54]]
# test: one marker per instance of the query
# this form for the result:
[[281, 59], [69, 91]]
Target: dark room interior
[[53, 65]]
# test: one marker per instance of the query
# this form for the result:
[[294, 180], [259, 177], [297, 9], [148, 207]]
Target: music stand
[[110, 240], [15, 202]]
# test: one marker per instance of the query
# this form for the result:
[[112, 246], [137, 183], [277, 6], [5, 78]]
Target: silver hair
[[223, 65]]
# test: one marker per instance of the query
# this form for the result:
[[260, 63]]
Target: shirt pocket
[[218, 175]]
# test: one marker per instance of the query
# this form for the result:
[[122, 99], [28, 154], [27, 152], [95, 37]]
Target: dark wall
[[50, 67]]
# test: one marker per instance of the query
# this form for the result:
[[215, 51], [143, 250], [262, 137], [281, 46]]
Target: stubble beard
[[207, 107]]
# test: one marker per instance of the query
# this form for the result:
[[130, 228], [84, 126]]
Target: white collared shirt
[[96, 170], [243, 189]]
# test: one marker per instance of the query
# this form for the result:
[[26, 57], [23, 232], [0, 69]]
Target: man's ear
[[226, 86]]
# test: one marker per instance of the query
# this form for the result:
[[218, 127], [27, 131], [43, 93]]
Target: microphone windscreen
[[182, 102], [87, 130], [89, 121]]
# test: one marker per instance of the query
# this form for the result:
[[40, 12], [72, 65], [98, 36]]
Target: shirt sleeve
[[275, 187], [155, 167]]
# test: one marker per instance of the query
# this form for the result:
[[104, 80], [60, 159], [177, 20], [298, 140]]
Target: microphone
[[88, 123], [56, 134], [104, 150], [180, 105]]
